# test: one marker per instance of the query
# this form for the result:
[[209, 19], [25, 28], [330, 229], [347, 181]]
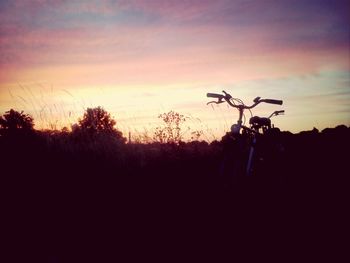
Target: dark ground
[[70, 200]]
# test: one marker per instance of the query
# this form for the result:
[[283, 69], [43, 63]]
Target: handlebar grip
[[271, 101], [214, 95]]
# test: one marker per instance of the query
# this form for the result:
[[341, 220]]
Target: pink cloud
[[172, 9], [224, 41]]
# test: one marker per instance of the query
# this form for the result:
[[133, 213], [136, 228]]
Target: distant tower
[[129, 137]]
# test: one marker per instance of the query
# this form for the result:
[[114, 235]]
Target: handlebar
[[228, 98], [214, 95], [276, 113], [271, 101]]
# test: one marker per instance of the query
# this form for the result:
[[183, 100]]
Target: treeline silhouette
[[72, 193]]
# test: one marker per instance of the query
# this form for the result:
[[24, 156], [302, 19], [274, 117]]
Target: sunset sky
[[138, 59]]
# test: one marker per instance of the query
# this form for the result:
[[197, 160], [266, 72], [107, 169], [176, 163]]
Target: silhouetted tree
[[13, 121], [97, 121]]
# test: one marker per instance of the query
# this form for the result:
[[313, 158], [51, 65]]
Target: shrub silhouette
[[96, 122], [171, 132], [13, 121]]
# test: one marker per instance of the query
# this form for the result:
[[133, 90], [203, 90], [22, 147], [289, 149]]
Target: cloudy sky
[[138, 59]]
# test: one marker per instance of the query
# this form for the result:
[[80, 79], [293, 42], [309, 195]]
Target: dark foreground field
[[72, 200]]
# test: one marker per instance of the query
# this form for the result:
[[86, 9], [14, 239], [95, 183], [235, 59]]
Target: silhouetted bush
[[13, 122], [97, 124], [171, 131]]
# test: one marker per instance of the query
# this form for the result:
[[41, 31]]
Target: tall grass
[[56, 110]]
